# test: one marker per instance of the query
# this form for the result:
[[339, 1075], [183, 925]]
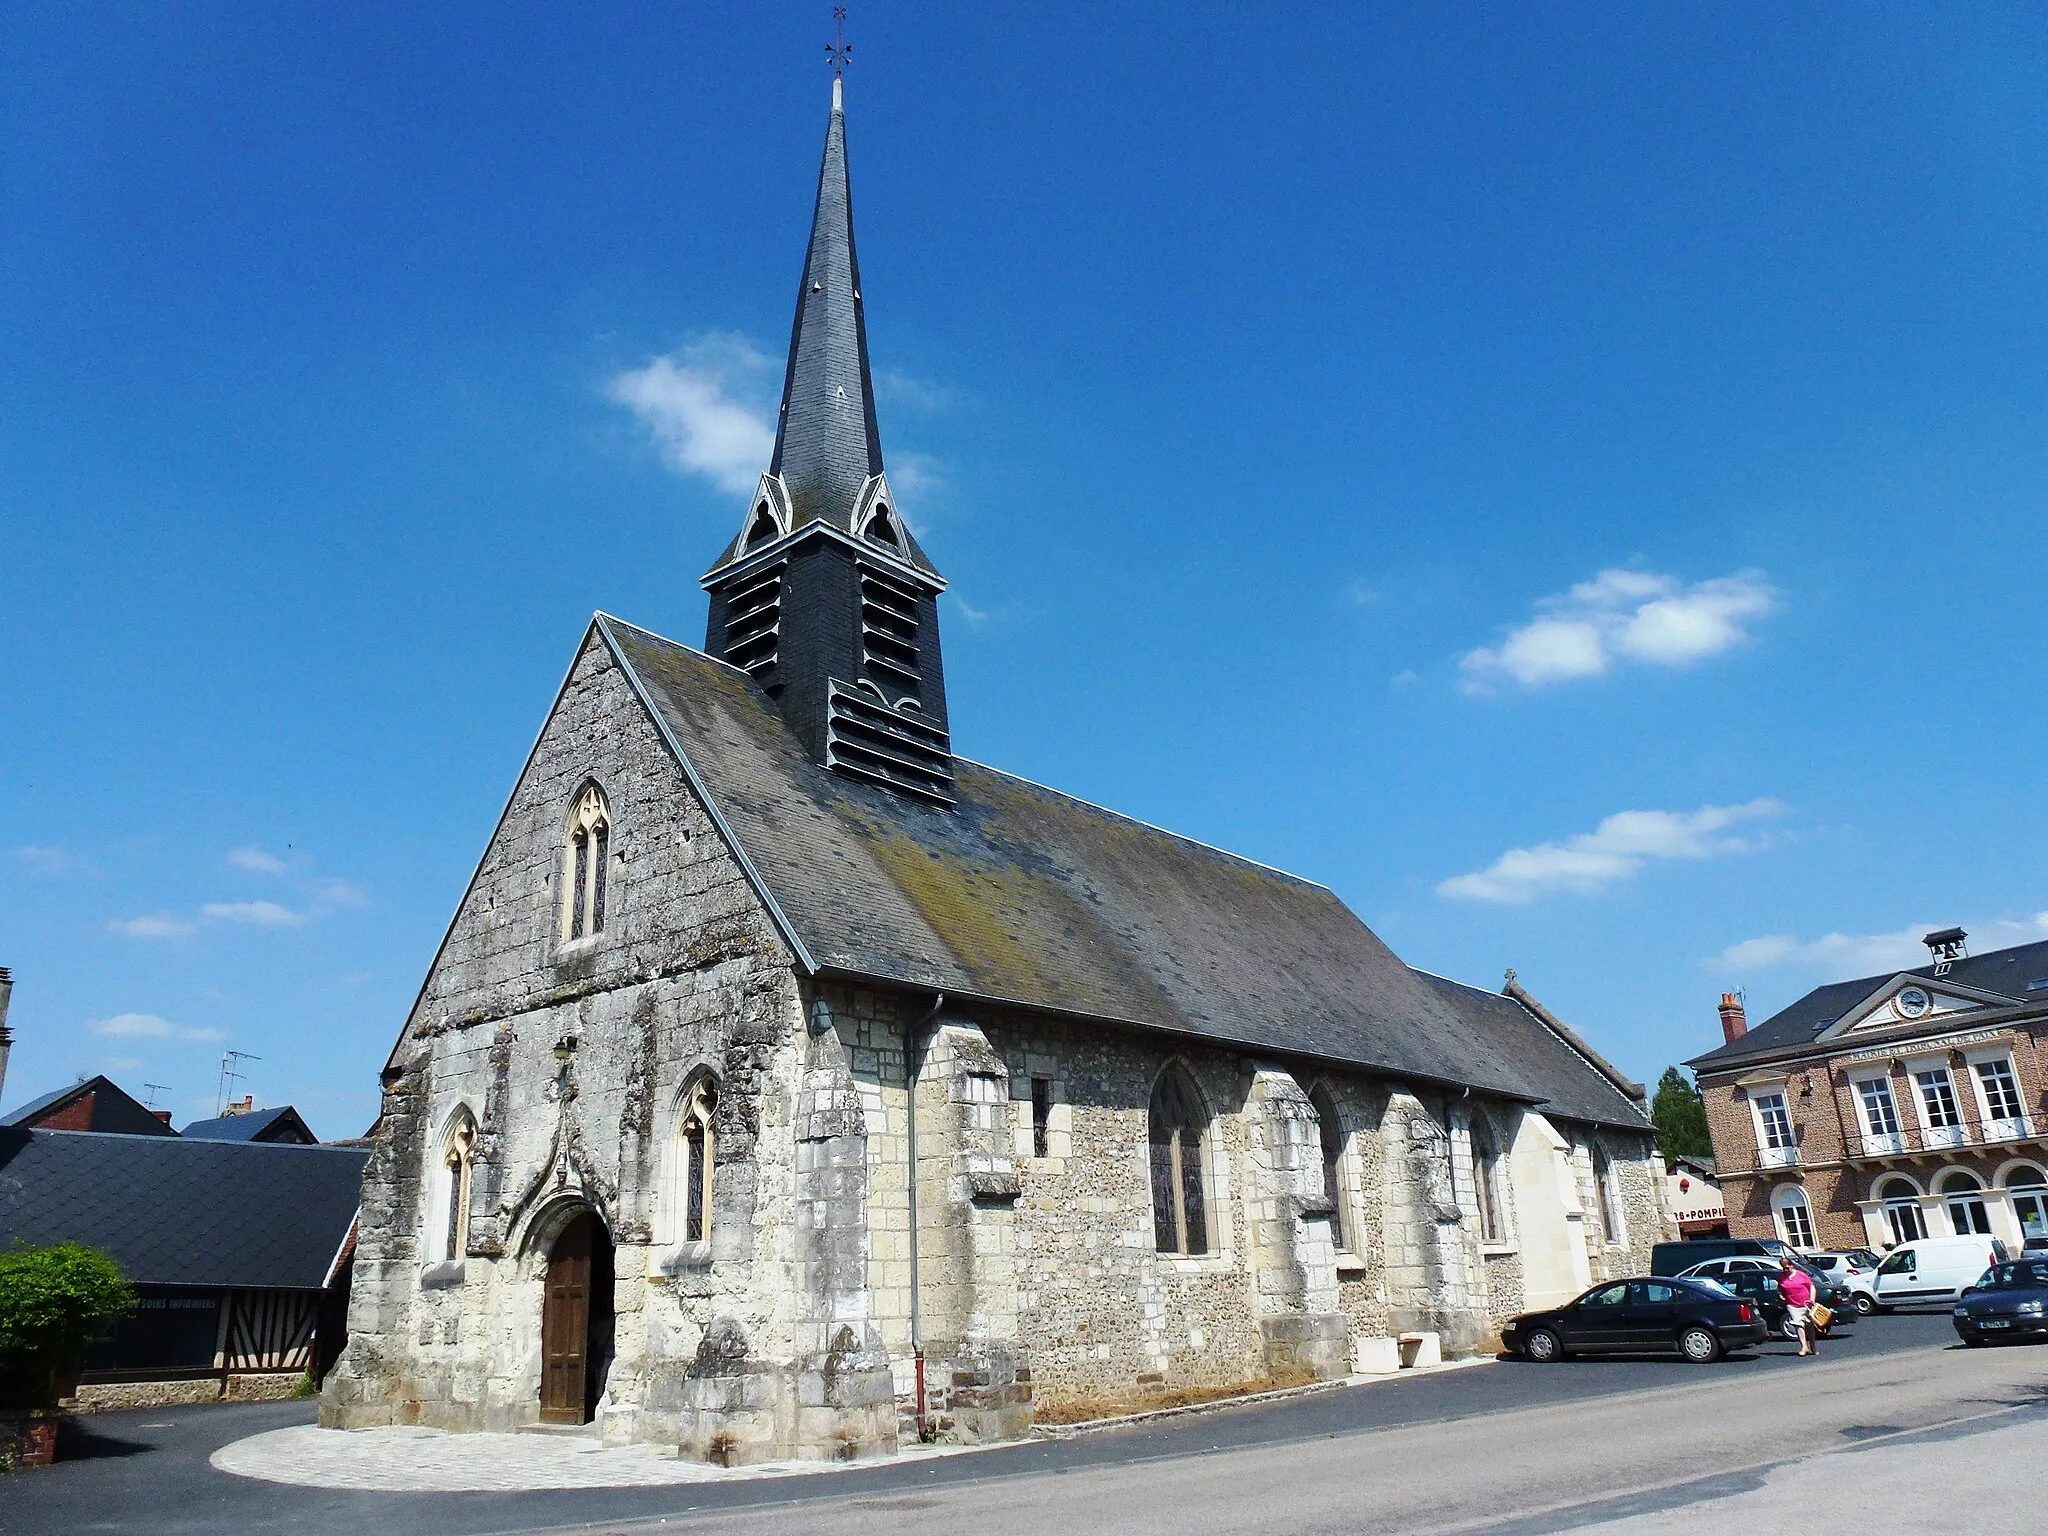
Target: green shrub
[[53, 1302]]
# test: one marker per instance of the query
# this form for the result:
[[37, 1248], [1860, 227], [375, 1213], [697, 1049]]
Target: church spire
[[825, 599], [827, 446]]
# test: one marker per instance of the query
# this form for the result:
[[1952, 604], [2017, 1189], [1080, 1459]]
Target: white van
[[1933, 1269]]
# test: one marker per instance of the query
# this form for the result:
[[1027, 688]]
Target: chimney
[[241, 1106], [6, 1038], [163, 1115], [1733, 1024]]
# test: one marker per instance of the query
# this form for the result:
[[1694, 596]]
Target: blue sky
[[1571, 482]]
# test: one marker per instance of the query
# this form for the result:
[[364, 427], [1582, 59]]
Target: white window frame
[[1783, 1199], [1951, 1197], [1876, 1140], [1769, 1152], [1932, 1135], [1894, 1206], [2034, 1193], [1998, 1127]]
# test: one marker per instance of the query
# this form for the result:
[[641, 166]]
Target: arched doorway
[[576, 1322]]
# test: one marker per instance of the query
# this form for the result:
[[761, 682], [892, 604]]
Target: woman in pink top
[[1796, 1286]]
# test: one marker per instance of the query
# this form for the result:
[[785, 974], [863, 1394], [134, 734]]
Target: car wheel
[[1699, 1345], [1543, 1347], [1864, 1305], [1790, 1328]]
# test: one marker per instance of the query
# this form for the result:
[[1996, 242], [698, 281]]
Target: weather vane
[[837, 50]]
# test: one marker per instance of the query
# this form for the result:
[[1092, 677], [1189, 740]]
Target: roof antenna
[[840, 54], [230, 1074], [149, 1101]]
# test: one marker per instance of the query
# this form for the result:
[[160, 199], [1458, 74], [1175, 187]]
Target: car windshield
[[1902, 1260], [2029, 1275]]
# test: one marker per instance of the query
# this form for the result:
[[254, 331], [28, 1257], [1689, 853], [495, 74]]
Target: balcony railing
[[2013, 1128], [1884, 1143], [1937, 1136], [1777, 1157]]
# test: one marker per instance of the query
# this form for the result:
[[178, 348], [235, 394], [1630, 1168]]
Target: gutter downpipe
[[912, 1069]]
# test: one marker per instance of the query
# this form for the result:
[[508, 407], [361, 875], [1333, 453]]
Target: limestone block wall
[[688, 976]]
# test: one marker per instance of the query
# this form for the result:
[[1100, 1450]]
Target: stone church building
[[786, 1085]]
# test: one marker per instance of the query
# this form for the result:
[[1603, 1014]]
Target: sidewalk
[[411, 1459]]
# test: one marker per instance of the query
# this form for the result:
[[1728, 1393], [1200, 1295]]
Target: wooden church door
[[565, 1325]]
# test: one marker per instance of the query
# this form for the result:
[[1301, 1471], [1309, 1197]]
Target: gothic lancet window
[[585, 861], [1180, 1222], [1331, 1131], [693, 1157], [1610, 1196], [458, 1154], [1486, 1181]]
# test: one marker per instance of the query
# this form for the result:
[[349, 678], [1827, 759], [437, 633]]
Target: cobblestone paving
[[414, 1460]]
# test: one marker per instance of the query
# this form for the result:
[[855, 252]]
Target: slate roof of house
[[1023, 895], [114, 1109], [280, 1124], [172, 1211], [2007, 972]]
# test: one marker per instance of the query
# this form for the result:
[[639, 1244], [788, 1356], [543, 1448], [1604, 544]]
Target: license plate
[[1992, 1322]]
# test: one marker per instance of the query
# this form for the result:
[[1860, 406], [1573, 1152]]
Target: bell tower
[[825, 598]]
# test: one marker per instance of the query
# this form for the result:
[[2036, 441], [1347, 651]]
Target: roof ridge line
[[1150, 826]]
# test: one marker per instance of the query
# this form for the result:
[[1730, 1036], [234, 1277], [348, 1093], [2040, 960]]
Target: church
[[787, 1085]]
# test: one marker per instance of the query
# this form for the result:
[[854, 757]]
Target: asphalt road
[[1456, 1450]]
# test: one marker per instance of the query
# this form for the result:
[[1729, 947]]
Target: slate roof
[[1562, 1072], [114, 1109], [2006, 972], [282, 1124], [1020, 894], [172, 1211]]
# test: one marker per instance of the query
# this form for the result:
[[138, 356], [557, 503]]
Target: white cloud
[[256, 859], [1622, 844], [335, 892], [1622, 616], [694, 402], [48, 859], [895, 387], [148, 1026], [974, 616], [264, 914], [917, 474], [154, 925], [1845, 955]]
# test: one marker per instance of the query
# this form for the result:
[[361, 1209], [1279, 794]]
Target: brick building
[[786, 1083], [1888, 1108]]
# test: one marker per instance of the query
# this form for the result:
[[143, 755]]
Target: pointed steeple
[[827, 445], [825, 599]]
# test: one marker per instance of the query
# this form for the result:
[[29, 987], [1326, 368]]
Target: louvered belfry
[[825, 598]]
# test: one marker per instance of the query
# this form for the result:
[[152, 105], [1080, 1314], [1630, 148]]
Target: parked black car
[[1649, 1316], [1677, 1258], [2010, 1302]]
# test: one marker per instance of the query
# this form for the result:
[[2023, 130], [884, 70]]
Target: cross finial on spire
[[838, 50]]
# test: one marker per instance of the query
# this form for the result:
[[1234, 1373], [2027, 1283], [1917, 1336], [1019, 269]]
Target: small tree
[[53, 1302], [1680, 1116]]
